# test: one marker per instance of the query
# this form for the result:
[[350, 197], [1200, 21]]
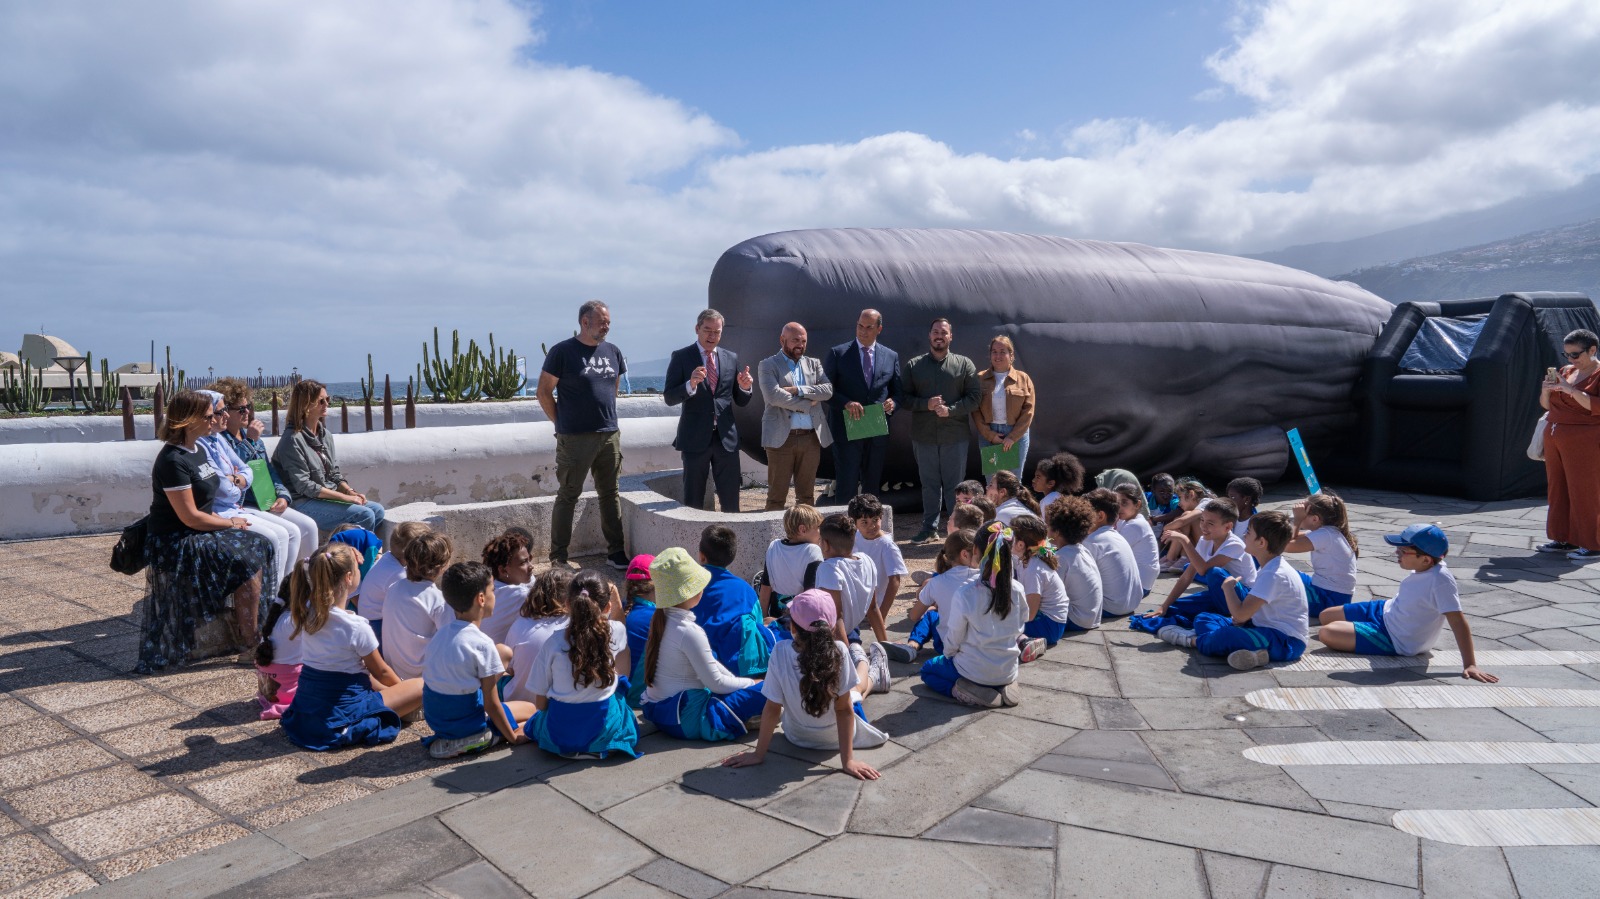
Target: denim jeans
[[329, 515], [1022, 455]]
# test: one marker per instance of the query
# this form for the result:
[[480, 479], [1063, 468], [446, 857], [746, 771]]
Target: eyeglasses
[[242, 410], [322, 401], [211, 415], [1577, 355], [1406, 551]]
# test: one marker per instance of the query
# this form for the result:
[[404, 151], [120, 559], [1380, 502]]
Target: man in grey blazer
[[794, 425]]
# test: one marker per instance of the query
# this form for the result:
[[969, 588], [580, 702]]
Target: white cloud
[[372, 167]]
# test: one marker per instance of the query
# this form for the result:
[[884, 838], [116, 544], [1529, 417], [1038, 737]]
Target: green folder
[[872, 423], [998, 458], [261, 487]]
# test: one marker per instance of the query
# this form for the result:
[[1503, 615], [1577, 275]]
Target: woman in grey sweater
[[306, 461]]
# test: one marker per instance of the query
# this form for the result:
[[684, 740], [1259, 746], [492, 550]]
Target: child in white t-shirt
[[389, 570], [576, 676], [278, 661], [851, 578], [981, 626], [1136, 529], [414, 609], [961, 552], [1071, 520], [543, 612], [1119, 569], [1219, 555], [867, 513], [1055, 477], [1037, 570], [814, 690], [787, 559], [1245, 494], [1409, 624], [1322, 528], [461, 669], [1010, 498], [510, 557], [1267, 622]]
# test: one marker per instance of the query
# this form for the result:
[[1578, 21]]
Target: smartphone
[[1550, 374]]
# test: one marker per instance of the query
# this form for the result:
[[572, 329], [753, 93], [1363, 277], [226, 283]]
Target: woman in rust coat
[[1572, 451]]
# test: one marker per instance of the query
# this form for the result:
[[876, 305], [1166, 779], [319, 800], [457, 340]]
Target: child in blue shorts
[[1267, 623], [1410, 623], [1322, 528], [461, 669]]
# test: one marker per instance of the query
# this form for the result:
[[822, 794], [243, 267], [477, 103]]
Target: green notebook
[[872, 423], [998, 458], [261, 487]]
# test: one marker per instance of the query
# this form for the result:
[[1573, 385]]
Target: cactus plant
[[457, 380], [172, 382], [104, 399], [23, 392], [501, 380], [368, 384]]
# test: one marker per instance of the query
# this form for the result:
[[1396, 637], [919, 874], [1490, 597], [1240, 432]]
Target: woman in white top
[[814, 691], [543, 612], [575, 680], [335, 704], [688, 693], [1010, 498], [1005, 414], [981, 630]]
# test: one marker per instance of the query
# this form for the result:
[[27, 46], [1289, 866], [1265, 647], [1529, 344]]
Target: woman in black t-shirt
[[197, 559]]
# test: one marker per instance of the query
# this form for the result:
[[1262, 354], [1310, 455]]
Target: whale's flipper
[[1262, 454]]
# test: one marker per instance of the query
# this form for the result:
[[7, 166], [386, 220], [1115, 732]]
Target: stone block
[[1432, 786], [681, 881], [1554, 872], [1116, 714], [1465, 872], [822, 807], [1101, 769], [478, 880], [755, 786], [1208, 714], [1293, 883], [662, 759], [1212, 763], [904, 867], [1091, 863], [990, 828], [322, 832], [497, 826], [659, 818], [415, 853], [206, 873], [1232, 877]]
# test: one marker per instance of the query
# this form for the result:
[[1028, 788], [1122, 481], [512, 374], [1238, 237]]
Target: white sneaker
[[920, 577], [1033, 649], [1247, 659], [1177, 636], [976, 694], [878, 667], [443, 748]]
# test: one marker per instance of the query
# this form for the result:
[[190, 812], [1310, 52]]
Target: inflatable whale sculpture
[[1143, 358]]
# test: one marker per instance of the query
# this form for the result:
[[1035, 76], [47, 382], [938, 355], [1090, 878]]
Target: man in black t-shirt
[[578, 391]]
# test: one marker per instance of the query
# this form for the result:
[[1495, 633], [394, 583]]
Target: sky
[[298, 184]]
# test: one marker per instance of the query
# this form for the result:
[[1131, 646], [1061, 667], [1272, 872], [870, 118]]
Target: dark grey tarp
[[1144, 358]]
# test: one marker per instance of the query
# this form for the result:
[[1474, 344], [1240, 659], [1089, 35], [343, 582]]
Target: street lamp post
[[71, 364]]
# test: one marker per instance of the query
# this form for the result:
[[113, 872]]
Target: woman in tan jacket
[[1005, 408]]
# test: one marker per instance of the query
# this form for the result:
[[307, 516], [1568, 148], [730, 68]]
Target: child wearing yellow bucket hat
[[688, 693], [814, 691]]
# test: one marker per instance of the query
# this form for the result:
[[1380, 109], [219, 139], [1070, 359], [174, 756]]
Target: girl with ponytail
[[335, 704], [814, 691], [1322, 528], [575, 681], [982, 630], [1038, 571], [688, 693]]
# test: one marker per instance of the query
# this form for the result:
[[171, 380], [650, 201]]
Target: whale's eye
[[1101, 432], [1098, 435]]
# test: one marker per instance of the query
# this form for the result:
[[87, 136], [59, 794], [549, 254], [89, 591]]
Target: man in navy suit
[[708, 382], [862, 372]]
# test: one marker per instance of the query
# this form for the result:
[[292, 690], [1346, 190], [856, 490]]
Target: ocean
[[351, 390]]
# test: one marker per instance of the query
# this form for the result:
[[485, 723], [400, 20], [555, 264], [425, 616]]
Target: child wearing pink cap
[[640, 603], [814, 691]]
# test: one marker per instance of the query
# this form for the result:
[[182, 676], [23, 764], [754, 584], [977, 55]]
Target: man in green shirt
[[941, 388]]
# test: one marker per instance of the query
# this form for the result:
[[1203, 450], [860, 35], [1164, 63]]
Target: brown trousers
[[1572, 466], [798, 458]]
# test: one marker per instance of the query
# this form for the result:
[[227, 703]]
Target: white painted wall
[[57, 489], [108, 428]]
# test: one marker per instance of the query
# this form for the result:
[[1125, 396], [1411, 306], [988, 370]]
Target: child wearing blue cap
[[1410, 623]]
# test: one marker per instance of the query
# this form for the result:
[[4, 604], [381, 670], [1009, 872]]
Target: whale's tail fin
[[1262, 454]]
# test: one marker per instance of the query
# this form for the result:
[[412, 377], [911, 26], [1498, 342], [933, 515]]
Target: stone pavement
[[1132, 768]]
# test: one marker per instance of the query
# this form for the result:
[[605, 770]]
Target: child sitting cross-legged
[[574, 680], [461, 668], [729, 611], [980, 626], [814, 690], [866, 511], [1322, 528], [960, 560], [1219, 555], [543, 613], [510, 557], [1119, 568], [639, 610], [1071, 519], [414, 609], [1267, 622], [1410, 623], [390, 569], [336, 703], [1037, 570], [1135, 529], [277, 662], [851, 578], [789, 556], [688, 693], [1193, 497]]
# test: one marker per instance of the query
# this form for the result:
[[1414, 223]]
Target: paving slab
[[497, 827], [598, 785], [1356, 812], [1239, 683], [936, 782], [880, 757], [1078, 679], [1110, 745], [822, 807], [1212, 763], [414, 853], [680, 880], [1433, 786], [1208, 714], [1563, 725], [1359, 724], [905, 867], [1052, 707], [1144, 775], [206, 873], [1554, 872], [676, 823], [1233, 877], [758, 785], [630, 888], [1274, 835], [1465, 872], [1294, 883], [1580, 780], [1087, 650], [925, 719], [1466, 724], [500, 769], [991, 828], [1092, 863], [478, 880], [1116, 714], [320, 833]]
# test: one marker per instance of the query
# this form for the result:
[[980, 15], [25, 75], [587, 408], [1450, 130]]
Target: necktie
[[711, 370], [866, 363]]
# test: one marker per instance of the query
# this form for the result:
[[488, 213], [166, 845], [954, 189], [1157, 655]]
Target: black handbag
[[128, 556]]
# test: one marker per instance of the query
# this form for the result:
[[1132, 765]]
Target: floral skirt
[[190, 578]]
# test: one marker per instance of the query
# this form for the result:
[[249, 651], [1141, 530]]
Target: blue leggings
[[940, 673], [1044, 626], [1210, 599], [1320, 598], [927, 628], [1217, 635]]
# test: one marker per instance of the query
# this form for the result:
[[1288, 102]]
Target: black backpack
[[128, 556]]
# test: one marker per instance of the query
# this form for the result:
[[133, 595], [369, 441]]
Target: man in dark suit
[[862, 372], [708, 382]]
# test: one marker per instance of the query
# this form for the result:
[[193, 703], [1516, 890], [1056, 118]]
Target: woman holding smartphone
[[1572, 450]]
